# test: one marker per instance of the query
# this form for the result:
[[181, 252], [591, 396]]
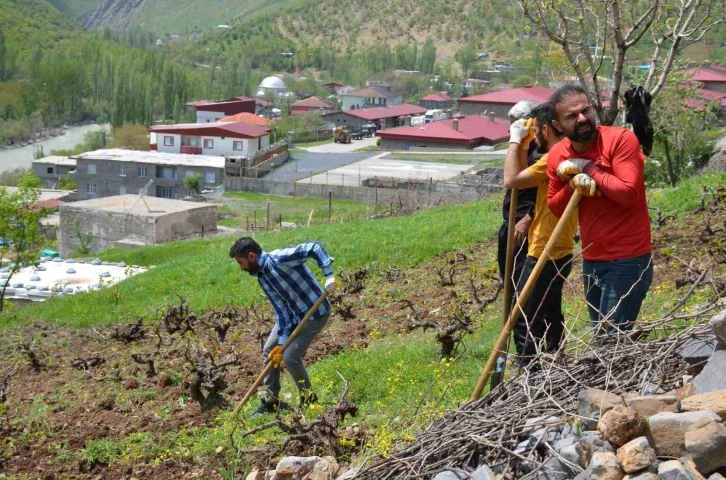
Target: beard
[[579, 135], [541, 144]]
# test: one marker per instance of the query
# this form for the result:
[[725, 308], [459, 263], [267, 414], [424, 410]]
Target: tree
[[20, 231], [66, 183], [131, 137], [466, 56], [193, 183], [679, 118], [522, 81], [596, 35]]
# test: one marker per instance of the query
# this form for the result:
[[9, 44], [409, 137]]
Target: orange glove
[[276, 356]]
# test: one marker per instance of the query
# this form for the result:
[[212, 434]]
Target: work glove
[[518, 131], [569, 168], [275, 356], [330, 284], [530, 133], [584, 184]]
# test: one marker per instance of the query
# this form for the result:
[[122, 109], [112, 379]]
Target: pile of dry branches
[[487, 431]]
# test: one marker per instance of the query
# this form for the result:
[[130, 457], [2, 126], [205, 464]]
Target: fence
[[312, 134]]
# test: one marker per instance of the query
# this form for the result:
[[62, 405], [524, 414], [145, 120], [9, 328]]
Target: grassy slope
[[26, 22], [202, 272]]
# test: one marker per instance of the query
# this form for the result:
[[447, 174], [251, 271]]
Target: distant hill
[[172, 16], [27, 21], [77, 9]]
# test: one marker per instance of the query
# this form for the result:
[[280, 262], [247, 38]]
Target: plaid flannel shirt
[[291, 286]]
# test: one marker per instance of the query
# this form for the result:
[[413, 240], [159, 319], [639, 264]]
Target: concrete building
[[50, 169], [436, 101], [125, 221], [464, 133], [312, 104], [209, 112], [219, 138], [106, 173], [383, 117], [375, 96], [499, 103]]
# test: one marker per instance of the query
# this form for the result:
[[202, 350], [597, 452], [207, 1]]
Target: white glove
[[518, 130], [570, 168], [584, 184], [330, 284]]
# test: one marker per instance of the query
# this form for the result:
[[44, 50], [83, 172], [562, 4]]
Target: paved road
[[354, 174], [310, 163], [343, 147]]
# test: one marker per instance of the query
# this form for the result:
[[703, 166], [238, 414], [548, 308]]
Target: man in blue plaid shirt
[[292, 290]]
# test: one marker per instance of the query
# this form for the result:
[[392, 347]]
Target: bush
[[378, 142], [11, 178], [130, 136]]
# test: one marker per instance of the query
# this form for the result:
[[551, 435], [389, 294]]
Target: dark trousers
[[520, 256], [541, 319], [615, 291]]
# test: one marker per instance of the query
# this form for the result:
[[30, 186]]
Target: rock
[[650, 473], [592, 403], [691, 469], [711, 401], [713, 375], [716, 476], [553, 470], [537, 423], [481, 473], [717, 162], [673, 470], [573, 454], [591, 444], [324, 469], [636, 455], [605, 466], [697, 351], [621, 424], [706, 444], [718, 323], [290, 467], [562, 443], [685, 391], [667, 431], [257, 475], [652, 404]]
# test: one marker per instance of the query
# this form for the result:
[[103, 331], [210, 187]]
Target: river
[[23, 156]]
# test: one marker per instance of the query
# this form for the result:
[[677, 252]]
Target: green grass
[[244, 205], [314, 143], [687, 195], [202, 272]]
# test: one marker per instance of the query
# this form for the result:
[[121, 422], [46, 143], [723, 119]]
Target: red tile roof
[[437, 97], [705, 75], [379, 113], [334, 84], [314, 102], [512, 96], [248, 118], [472, 129], [216, 129]]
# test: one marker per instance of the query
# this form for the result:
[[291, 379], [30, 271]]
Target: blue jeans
[[615, 291]]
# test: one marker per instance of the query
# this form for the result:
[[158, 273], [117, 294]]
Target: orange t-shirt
[[616, 225]]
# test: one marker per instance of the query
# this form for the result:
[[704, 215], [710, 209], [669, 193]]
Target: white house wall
[[222, 146], [209, 117]]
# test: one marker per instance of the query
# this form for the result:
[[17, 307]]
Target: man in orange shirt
[[541, 317], [614, 227]]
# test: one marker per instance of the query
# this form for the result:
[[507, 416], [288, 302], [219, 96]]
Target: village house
[[109, 172], [382, 117], [499, 103], [208, 112], [50, 169], [375, 96], [712, 78], [463, 133], [336, 88], [312, 104], [219, 138], [438, 100]]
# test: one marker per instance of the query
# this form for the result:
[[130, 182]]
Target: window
[[168, 141], [91, 188], [209, 177], [259, 143], [238, 146], [50, 169], [166, 192], [189, 173], [166, 172], [124, 170], [208, 143], [122, 190], [142, 171], [91, 169]]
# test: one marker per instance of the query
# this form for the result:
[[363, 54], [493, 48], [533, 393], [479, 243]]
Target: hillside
[[75, 8], [173, 16]]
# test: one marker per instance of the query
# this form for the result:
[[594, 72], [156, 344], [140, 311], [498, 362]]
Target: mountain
[[77, 9], [173, 16]]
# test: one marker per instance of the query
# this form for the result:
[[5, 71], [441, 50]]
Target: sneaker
[[270, 406]]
